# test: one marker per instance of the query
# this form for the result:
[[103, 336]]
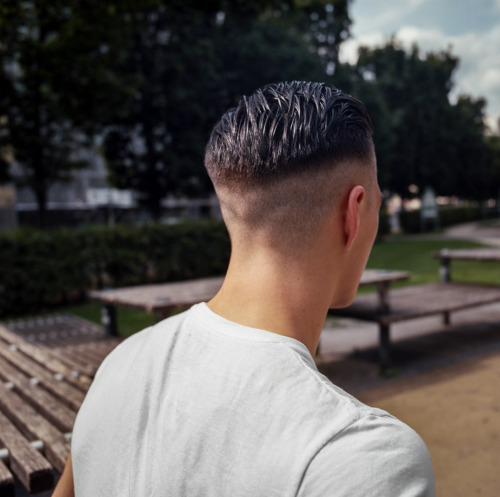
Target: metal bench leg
[[108, 319], [385, 346], [446, 318], [444, 270]]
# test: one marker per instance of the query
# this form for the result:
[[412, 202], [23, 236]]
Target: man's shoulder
[[386, 456]]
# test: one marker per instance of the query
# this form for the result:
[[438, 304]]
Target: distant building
[[88, 199]]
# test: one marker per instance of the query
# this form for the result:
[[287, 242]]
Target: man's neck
[[283, 296]]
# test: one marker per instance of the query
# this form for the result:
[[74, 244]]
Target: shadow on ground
[[359, 370]]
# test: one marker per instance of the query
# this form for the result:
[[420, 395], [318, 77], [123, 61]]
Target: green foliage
[[493, 144], [448, 216], [194, 60], [56, 82], [384, 226], [43, 269], [420, 137]]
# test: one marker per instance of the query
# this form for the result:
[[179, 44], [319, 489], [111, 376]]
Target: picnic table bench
[[447, 255], [425, 300], [160, 299], [164, 298], [41, 390]]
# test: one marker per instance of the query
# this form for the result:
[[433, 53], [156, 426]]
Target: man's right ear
[[352, 214]]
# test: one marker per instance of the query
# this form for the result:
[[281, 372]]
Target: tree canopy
[[151, 77], [55, 86], [194, 61], [422, 138]]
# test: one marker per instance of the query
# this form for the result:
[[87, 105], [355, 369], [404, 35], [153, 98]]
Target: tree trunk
[[41, 200]]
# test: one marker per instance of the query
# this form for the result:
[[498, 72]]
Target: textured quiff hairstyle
[[273, 158]]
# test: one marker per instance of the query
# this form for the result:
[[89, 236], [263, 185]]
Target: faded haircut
[[271, 158]]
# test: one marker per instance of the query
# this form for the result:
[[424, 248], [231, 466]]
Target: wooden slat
[[161, 297], [35, 427], [39, 355], [90, 352], [6, 481], [56, 412], [93, 352], [377, 276], [85, 352], [32, 469], [65, 392], [75, 363]]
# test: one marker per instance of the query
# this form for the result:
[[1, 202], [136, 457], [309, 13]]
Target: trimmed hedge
[[448, 216], [41, 269], [384, 225]]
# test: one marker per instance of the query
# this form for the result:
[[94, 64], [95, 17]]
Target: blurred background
[[105, 110], [105, 107]]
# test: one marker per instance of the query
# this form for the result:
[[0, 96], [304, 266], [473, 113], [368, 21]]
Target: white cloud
[[479, 71], [376, 15]]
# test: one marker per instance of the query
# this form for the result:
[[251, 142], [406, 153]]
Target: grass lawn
[[414, 256], [404, 253]]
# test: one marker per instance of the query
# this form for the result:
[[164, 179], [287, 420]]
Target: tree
[[493, 144], [470, 169], [421, 138], [55, 85], [195, 59]]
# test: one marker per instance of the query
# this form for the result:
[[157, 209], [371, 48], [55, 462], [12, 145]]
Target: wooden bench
[[41, 390], [478, 254], [415, 302]]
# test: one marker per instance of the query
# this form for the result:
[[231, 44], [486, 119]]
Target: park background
[[106, 107]]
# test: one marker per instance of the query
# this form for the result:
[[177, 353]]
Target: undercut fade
[[287, 128]]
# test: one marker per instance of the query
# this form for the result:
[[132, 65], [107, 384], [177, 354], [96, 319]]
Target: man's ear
[[352, 217]]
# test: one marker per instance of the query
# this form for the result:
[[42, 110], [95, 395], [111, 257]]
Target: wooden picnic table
[[477, 254], [162, 299], [41, 390], [425, 300]]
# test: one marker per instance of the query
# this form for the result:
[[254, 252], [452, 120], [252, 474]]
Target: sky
[[471, 28]]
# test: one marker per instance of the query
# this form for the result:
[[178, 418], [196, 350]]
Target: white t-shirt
[[200, 406]]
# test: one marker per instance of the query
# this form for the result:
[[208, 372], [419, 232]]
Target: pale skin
[[265, 288]]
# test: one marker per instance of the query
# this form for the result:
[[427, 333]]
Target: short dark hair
[[285, 128]]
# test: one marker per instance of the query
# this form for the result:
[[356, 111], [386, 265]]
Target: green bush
[[448, 216], [41, 269], [384, 225]]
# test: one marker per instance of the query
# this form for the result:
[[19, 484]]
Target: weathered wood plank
[[65, 392], [32, 469], [378, 276], [161, 297], [77, 365], [35, 427], [56, 412], [6, 481], [40, 355]]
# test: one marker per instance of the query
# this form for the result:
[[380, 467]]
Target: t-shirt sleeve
[[377, 456]]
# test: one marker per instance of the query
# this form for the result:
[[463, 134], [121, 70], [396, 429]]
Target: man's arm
[[65, 486]]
